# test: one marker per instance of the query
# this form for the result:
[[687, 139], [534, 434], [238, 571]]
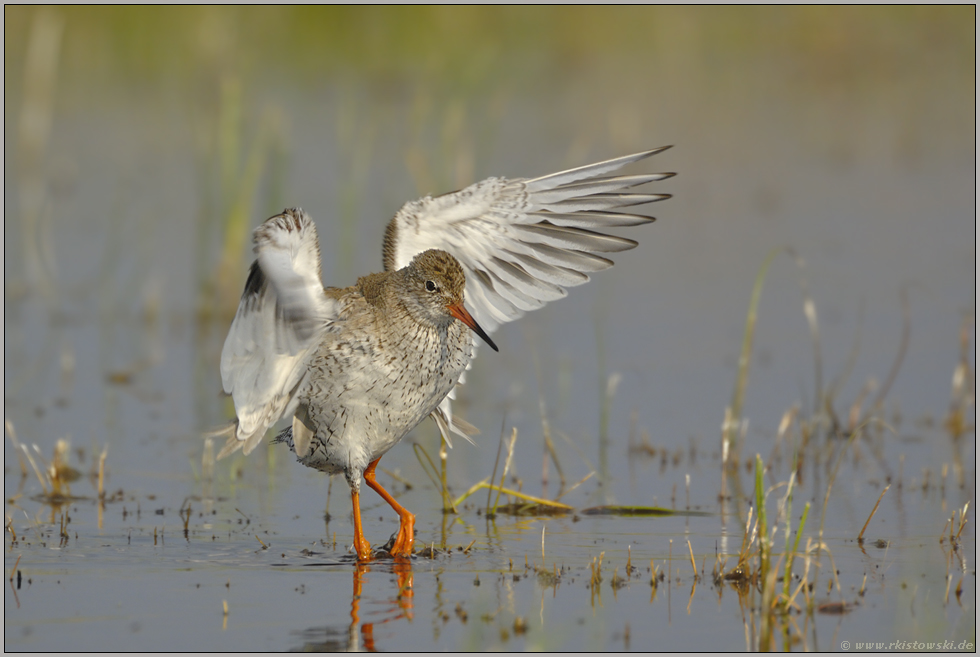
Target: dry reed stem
[[496, 462], [860, 537], [575, 485], [512, 493], [9, 426], [102, 457], [963, 520], [833, 477], [444, 475], [430, 471], [549, 445], [835, 386], [207, 460], [503, 477], [903, 347], [734, 412], [810, 310], [14, 569], [746, 540], [41, 477]]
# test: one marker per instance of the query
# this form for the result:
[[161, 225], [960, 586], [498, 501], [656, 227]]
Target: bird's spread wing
[[282, 315], [522, 242]]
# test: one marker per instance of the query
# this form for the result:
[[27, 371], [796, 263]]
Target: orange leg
[[361, 546], [367, 630], [406, 528]]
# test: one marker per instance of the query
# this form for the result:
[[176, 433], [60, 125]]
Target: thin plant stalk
[[796, 547], [789, 517], [845, 373], [512, 493], [575, 485], [447, 503], [830, 483], [873, 511], [503, 477], [496, 462], [903, 348], [760, 500], [549, 445], [427, 465], [810, 310], [738, 396]]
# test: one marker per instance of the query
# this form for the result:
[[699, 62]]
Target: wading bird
[[358, 368]]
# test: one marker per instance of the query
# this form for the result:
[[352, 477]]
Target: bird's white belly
[[363, 401]]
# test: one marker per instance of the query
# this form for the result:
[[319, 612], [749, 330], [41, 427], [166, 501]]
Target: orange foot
[[406, 537]]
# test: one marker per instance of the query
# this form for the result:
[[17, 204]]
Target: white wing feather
[[522, 242], [281, 317]]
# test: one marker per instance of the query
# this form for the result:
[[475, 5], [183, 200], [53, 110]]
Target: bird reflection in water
[[359, 636]]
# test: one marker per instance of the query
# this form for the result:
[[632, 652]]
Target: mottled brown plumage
[[382, 357], [399, 354]]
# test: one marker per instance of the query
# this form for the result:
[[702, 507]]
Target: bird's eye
[[430, 286]]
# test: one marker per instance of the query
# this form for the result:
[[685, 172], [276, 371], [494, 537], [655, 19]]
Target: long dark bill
[[459, 312]]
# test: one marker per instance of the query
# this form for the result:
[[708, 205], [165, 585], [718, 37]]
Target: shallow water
[[854, 149]]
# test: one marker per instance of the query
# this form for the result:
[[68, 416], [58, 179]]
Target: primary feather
[[281, 317], [522, 242]]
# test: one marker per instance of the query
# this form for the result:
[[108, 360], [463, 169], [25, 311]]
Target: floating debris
[[610, 510]]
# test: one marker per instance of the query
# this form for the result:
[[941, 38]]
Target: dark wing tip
[[255, 281]]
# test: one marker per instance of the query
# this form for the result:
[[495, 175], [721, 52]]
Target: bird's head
[[436, 280]]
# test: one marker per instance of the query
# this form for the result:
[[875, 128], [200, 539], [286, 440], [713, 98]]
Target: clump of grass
[[759, 569], [548, 578], [787, 576], [759, 566], [54, 476], [953, 525], [595, 576]]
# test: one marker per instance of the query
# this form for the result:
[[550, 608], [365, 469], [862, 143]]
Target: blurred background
[[142, 145]]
